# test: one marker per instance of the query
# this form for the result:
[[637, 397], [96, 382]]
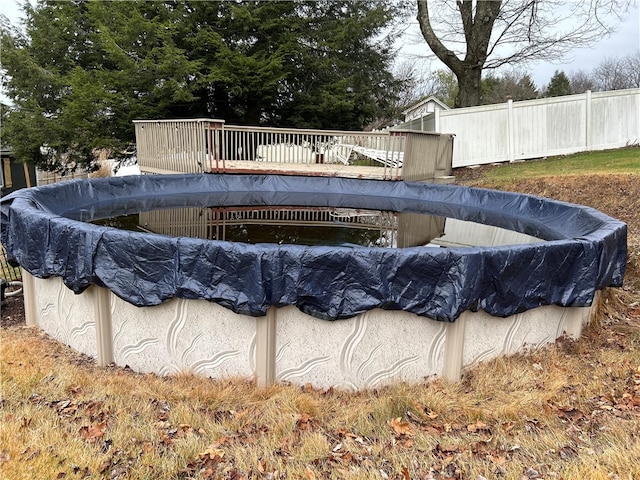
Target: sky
[[624, 41]]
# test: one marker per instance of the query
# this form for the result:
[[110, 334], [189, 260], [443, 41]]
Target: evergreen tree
[[558, 86]]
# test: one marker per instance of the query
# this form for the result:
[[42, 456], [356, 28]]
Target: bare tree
[[582, 81], [610, 74], [414, 84], [470, 36], [633, 67], [617, 73], [514, 85]]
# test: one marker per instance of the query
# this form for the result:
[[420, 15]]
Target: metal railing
[[10, 277]]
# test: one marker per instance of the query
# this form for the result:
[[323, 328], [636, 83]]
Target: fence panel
[[45, 178], [615, 119], [9, 273], [426, 155], [566, 125], [530, 129], [482, 133], [538, 128]]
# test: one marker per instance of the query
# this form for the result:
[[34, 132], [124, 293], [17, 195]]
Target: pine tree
[[558, 86]]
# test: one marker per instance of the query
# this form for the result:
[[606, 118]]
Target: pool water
[[326, 226]]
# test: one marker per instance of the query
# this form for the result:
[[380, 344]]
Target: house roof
[[430, 98]]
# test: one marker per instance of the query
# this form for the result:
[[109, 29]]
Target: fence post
[[510, 131], [587, 137], [636, 97]]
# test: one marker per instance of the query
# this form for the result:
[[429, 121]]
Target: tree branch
[[437, 47]]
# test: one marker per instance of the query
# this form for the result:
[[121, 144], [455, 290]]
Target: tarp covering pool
[[44, 230]]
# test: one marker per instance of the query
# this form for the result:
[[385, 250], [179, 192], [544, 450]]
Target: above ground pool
[[167, 302]]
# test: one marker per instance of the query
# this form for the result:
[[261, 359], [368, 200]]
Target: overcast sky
[[625, 41]]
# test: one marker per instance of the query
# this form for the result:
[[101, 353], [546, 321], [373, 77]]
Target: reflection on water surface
[[316, 226]]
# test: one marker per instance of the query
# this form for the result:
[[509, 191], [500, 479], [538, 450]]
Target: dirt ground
[[12, 312], [615, 195]]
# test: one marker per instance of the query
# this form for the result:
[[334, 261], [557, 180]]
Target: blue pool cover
[[584, 250]]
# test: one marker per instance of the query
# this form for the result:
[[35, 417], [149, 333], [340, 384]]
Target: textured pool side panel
[[183, 336], [67, 317], [487, 337], [367, 351], [372, 349]]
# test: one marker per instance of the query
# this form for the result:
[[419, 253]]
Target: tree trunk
[[469, 87], [252, 115], [477, 22]]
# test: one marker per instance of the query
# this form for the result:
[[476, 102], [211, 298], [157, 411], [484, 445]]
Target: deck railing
[[169, 146], [207, 145], [394, 229]]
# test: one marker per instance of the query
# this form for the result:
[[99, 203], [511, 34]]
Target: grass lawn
[[621, 161]]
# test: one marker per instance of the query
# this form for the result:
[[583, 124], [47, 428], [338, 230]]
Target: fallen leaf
[[408, 443], [531, 473], [62, 404], [212, 452], [401, 428], [431, 414], [104, 466], [183, 430], [93, 433], [75, 389], [570, 413], [477, 427], [303, 421], [94, 410]]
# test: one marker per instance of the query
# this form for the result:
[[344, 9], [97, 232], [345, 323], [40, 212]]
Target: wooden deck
[[310, 169]]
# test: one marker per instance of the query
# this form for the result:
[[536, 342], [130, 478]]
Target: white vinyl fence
[[538, 128]]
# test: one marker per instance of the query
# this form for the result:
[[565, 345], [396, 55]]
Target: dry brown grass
[[567, 411]]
